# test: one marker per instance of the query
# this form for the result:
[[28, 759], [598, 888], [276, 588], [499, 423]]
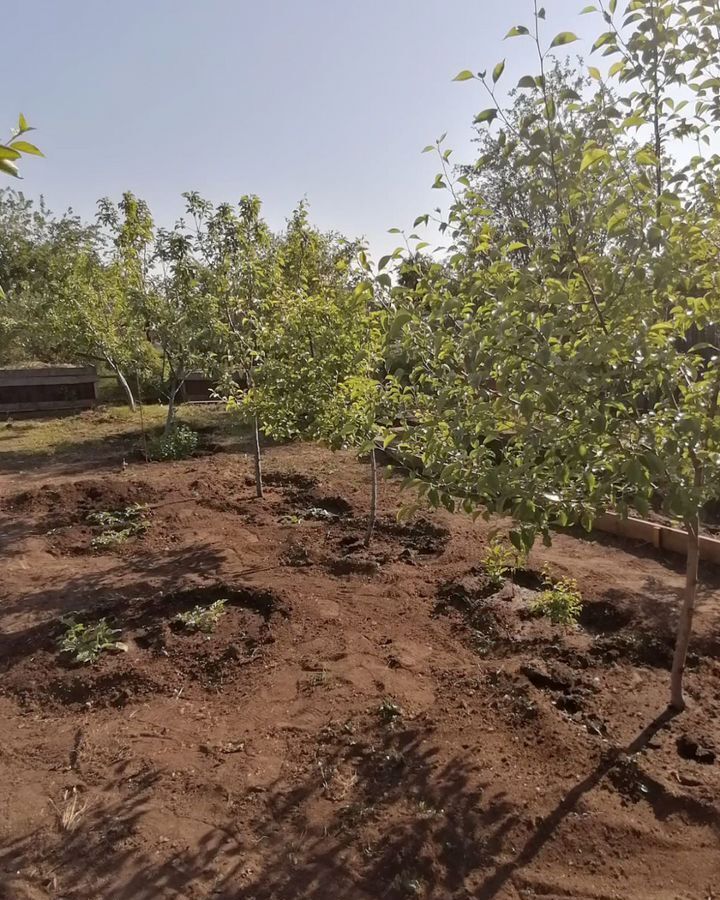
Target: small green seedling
[[389, 711], [561, 602], [290, 520], [499, 562], [117, 526], [86, 642], [317, 512], [202, 618]]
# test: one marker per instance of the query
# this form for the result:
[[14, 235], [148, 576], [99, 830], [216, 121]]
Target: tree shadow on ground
[[145, 575], [382, 814], [662, 801]]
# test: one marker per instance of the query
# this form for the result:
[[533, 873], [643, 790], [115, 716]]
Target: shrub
[[118, 526], [202, 618], [561, 602], [499, 561], [86, 642], [389, 711], [179, 443]]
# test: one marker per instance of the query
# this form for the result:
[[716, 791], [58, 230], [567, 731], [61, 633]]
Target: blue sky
[[326, 99]]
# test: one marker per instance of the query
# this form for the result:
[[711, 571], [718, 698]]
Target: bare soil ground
[[361, 724]]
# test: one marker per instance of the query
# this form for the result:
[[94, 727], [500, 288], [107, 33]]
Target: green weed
[[118, 526], [86, 642], [179, 443], [499, 561], [202, 618], [561, 602], [389, 711]]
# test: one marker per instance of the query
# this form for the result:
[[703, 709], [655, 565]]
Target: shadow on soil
[[400, 823], [149, 575]]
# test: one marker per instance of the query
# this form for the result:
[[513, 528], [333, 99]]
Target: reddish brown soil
[[361, 724]]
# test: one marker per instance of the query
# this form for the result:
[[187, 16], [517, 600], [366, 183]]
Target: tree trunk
[[677, 700], [373, 497], [170, 421], [123, 381], [126, 387], [259, 493]]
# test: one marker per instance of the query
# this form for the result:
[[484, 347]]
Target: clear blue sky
[[327, 99]]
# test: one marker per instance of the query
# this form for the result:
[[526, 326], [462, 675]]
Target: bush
[[118, 526], [499, 562], [561, 602], [179, 443], [202, 618], [86, 642]]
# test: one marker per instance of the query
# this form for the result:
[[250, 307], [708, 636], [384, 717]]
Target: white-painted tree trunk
[[259, 491], [677, 698], [373, 497]]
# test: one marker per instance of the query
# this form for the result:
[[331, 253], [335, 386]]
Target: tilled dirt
[[361, 723]]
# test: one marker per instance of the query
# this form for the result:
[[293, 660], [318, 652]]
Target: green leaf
[[25, 147], [565, 37], [497, 71], [421, 220], [429, 148], [592, 156], [595, 73], [516, 31], [487, 115], [612, 6], [527, 81], [23, 124], [645, 158], [588, 9], [9, 168], [8, 152], [399, 322], [617, 220], [465, 75], [384, 260], [616, 67], [516, 541], [604, 38]]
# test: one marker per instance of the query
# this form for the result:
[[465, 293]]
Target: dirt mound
[[71, 502], [160, 653]]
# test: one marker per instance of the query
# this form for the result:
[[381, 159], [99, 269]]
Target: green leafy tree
[[314, 335], [553, 378], [241, 280], [38, 250], [93, 319], [320, 376], [182, 317]]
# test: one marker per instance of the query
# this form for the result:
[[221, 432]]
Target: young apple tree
[[240, 278], [92, 317], [183, 316], [553, 373]]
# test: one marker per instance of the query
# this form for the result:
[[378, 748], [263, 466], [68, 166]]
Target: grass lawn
[[115, 426]]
